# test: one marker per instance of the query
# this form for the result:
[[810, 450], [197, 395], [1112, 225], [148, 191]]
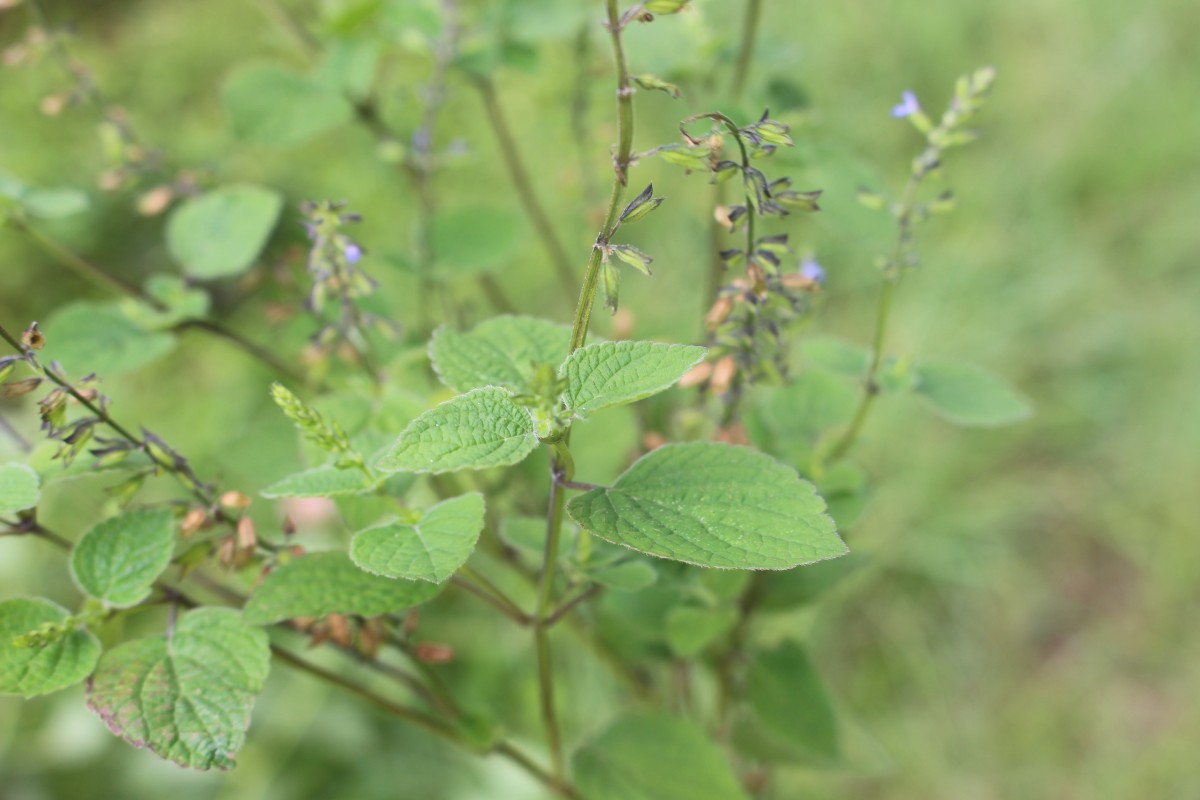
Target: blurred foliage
[[1017, 626]]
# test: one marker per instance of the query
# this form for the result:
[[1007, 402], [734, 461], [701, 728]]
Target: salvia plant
[[450, 465]]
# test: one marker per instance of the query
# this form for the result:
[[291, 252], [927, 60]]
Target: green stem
[[189, 481], [545, 599], [524, 186], [746, 51], [891, 277]]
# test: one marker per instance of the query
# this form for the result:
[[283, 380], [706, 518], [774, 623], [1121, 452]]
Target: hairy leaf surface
[[327, 481], [318, 584], [606, 374], [479, 429], [32, 671], [713, 505], [432, 549], [503, 351], [188, 697], [118, 560]]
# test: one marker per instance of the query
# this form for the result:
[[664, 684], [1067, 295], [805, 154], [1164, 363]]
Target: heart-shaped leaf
[[186, 697]]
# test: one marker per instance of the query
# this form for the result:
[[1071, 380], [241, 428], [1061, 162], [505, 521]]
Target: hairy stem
[[621, 161], [524, 186]]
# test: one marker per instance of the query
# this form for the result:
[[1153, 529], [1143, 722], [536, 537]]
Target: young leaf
[[633, 257], [712, 505], [327, 481], [787, 695], [188, 697], [221, 233], [431, 550], [690, 629], [118, 560], [18, 488], [319, 584], [641, 205], [503, 351], [654, 757], [476, 430], [969, 396], [31, 671], [272, 105], [629, 576], [788, 421], [606, 374]]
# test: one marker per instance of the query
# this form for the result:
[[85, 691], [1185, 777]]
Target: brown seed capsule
[[155, 201], [723, 374], [433, 653], [653, 440], [194, 521], [19, 388], [247, 536], [235, 500], [32, 337], [721, 215], [719, 312], [339, 629], [697, 375]]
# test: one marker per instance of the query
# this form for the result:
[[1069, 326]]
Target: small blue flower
[[907, 106], [353, 253], [809, 268]]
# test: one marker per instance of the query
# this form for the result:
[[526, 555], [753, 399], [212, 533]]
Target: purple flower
[[809, 268], [907, 106], [353, 253]]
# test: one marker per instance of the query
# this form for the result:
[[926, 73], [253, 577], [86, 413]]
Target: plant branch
[[621, 161], [524, 185], [746, 50], [252, 349], [569, 606], [891, 277]]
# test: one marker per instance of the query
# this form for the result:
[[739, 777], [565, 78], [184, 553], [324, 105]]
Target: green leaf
[[54, 203], [836, 355], [96, 337], [789, 421], [654, 757], [431, 550], [630, 576], [969, 396], [221, 233], [319, 584], [188, 697], [274, 106], [503, 351], [633, 257], [691, 629], [327, 481], [479, 429], [712, 505], [465, 241], [32, 671], [19, 488], [525, 533], [118, 560], [789, 699], [607, 374], [181, 301]]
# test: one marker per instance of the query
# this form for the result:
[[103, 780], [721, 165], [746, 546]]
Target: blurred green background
[[1023, 627]]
